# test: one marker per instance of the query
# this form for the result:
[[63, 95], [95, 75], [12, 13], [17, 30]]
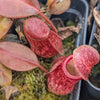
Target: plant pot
[[78, 10], [81, 8], [77, 13], [89, 91]]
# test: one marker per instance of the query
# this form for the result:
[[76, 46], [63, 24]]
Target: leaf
[[58, 6], [18, 57], [71, 28], [5, 76], [58, 22], [97, 37], [10, 91], [17, 8], [65, 32], [21, 34], [20, 9], [91, 5], [5, 24], [34, 3], [96, 16]]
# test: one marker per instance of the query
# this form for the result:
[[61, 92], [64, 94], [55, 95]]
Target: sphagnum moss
[[33, 87], [32, 84]]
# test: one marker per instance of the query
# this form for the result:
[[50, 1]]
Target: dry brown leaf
[[96, 15], [5, 76], [92, 5], [21, 34], [65, 32], [58, 6], [90, 17], [10, 91], [71, 28], [98, 30], [93, 2], [44, 10], [5, 24], [19, 30], [97, 37], [57, 22]]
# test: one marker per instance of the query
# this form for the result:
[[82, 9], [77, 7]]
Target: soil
[[95, 74], [95, 80], [32, 84]]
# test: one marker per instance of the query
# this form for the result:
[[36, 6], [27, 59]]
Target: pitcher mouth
[[66, 72]]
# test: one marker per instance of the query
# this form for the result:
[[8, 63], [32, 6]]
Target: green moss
[[69, 44], [96, 69], [2, 96], [32, 85], [70, 23], [95, 74]]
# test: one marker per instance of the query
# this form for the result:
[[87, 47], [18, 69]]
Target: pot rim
[[93, 86]]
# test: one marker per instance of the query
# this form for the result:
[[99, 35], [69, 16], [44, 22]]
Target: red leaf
[[21, 9], [16, 8], [84, 58], [34, 3], [18, 57]]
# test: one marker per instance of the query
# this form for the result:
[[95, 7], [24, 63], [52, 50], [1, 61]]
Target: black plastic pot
[[78, 13], [88, 90], [80, 9]]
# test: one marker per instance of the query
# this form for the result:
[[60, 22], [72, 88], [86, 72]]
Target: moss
[[2, 96], [32, 85], [70, 23], [95, 74], [96, 69], [69, 44]]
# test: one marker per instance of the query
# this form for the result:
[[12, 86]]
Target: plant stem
[[51, 24], [43, 69]]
